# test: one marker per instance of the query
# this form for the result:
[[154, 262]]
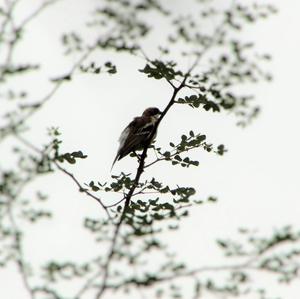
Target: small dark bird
[[136, 135]]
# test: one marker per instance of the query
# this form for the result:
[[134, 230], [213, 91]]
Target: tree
[[130, 233]]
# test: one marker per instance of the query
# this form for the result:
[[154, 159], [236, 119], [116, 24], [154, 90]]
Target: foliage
[[133, 228]]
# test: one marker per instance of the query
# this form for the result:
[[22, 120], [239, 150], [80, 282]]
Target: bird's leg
[[138, 156]]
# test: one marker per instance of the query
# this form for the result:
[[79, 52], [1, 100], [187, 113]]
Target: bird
[[136, 135]]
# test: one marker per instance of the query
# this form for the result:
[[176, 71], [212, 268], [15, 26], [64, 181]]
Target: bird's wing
[[134, 135]]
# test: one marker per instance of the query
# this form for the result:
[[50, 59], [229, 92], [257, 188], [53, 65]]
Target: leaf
[[79, 154], [183, 137], [222, 243], [178, 158], [167, 154], [210, 105]]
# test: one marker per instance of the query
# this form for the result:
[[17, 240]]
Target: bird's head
[[152, 112]]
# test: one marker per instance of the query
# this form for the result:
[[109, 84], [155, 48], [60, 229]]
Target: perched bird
[[136, 135]]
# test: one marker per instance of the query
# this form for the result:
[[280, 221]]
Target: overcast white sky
[[257, 181]]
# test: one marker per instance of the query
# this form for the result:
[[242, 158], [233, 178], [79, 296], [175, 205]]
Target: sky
[[256, 182]]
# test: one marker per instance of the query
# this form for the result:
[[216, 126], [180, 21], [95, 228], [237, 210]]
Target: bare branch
[[115, 204], [81, 188], [21, 264], [36, 12], [17, 236], [87, 285]]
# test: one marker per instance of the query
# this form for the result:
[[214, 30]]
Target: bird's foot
[[138, 157]]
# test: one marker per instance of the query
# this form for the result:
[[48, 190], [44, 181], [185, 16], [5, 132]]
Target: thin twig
[[154, 162], [115, 204], [81, 188], [87, 285]]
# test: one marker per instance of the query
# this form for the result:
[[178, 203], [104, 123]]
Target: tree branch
[[36, 12], [10, 128], [20, 256], [82, 189], [129, 195], [248, 265]]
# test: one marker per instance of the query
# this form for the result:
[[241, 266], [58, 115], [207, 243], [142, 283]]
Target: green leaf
[[178, 158], [79, 154]]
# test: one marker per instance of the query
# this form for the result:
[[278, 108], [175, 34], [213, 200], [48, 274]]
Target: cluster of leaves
[[127, 22], [121, 182], [13, 94], [184, 193], [70, 157], [72, 42], [34, 215], [250, 14], [108, 67], [143, 221], [54, 271], [195, 101], [273, 253], [158, 69], [186, 144], [234, 61], [53, 149]]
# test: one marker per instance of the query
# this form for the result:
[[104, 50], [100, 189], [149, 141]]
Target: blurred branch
[[87, 284], [234, 267], [8, 129], [17, 235], [21, 264], [36, 12], [35, 107], [16, 30], [11, 43]]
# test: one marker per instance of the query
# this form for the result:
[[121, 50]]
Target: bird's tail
[[115, 160]]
